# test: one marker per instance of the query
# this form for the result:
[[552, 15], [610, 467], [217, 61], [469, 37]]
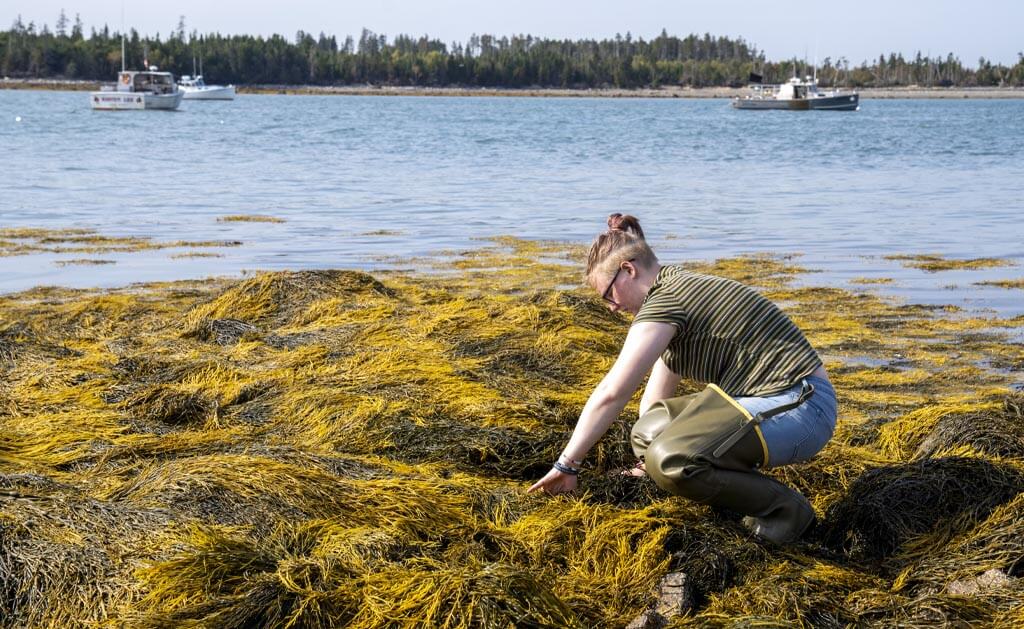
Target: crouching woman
[[768, 400]]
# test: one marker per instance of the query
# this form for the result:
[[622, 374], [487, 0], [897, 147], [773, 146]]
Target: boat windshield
[[149, 82]]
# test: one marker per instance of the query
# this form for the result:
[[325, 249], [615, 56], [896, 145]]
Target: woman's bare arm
[[661, 385], [644, 344]]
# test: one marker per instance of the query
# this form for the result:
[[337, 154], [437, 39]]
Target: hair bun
[[626, 223]]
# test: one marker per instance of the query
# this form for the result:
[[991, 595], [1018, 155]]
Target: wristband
[[571, 462], [565, 469]]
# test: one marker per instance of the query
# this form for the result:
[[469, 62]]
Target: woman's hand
[[554, 483], [644, 343]]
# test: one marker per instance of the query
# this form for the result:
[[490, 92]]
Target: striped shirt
[[728, 334]]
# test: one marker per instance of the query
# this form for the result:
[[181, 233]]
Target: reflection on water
[[359, 179]]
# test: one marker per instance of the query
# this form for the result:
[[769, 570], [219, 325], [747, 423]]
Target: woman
[[768, 401]]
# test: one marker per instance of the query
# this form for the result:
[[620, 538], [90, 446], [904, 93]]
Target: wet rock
[[675, 595], [648, 620], [984, 583], [675, 598]]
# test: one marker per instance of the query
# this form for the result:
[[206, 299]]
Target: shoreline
[[988, 93], [122, 258]]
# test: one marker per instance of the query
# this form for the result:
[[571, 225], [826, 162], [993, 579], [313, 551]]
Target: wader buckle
[[806, 391]]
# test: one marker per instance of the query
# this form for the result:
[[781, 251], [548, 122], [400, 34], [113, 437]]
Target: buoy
[[18, 119]]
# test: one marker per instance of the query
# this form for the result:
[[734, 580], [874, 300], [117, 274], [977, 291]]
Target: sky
[[782, 29]]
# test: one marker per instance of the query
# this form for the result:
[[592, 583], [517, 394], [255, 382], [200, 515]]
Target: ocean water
[[365, 182]]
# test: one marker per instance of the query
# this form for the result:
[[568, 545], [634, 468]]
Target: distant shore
[[661, 92]]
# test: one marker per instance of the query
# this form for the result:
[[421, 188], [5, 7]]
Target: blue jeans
[[800, 433]]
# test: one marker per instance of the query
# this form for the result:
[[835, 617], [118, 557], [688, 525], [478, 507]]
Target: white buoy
[[18, 119], [222, 122]]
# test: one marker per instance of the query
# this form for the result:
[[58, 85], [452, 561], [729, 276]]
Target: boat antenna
[[193, 65]]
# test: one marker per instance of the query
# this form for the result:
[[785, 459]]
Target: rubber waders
[[706, 447]]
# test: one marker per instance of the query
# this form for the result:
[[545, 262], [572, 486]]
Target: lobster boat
[[196, 89], [796, 94], [146, 89]]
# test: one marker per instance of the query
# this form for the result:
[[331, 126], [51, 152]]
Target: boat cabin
[[146, 81], [192, 81], [795, 89]]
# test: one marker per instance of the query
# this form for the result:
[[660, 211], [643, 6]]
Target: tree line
[[28, 51]]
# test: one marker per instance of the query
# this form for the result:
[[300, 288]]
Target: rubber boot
[[679, 439], [773, 511]]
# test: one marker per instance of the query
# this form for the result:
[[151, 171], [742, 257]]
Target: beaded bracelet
[[565, 469]]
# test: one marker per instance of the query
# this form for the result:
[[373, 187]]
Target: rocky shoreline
[[329, 448], [659, 92]]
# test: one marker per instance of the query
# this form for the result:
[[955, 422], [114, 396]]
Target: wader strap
[[806, 391]]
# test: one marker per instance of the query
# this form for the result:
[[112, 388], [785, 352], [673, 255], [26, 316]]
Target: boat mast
[[815, 71], [122, 37], [815, 66]]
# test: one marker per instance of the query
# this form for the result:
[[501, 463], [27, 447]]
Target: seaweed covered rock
[[274, 298], [889, 507], [485, 450], [18, 340], [322, 449], [222, 331], [171, 406], [57, 556], [996, 432], [317, 574], [981, 559]]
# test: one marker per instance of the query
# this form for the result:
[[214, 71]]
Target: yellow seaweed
[[330, 448]]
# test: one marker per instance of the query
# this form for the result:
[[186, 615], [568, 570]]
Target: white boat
[[147, 89], [195, 88], [796, 94]]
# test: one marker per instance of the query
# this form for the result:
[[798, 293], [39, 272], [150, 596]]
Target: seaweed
[[997, 432], [887, 508], [249, 218], [933, 263], [333, 448]]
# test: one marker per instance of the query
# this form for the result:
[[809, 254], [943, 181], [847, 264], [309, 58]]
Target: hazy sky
[[782, 29]]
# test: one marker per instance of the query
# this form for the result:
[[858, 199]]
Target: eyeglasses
[[607, 294]]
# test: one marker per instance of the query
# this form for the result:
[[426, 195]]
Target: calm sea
[[435, 174]]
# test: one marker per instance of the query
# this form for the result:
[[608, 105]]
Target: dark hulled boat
[[797, 94]]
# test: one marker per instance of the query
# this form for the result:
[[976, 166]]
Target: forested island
[[28, 51]]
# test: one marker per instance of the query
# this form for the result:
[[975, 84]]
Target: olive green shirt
[[728, 334]]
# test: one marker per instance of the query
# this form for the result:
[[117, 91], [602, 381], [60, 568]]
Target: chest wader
[[708, 448]]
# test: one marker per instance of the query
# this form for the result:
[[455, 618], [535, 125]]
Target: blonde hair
[[623, 241]]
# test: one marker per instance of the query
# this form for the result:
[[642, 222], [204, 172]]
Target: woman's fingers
[[554, 483], [544, 483]]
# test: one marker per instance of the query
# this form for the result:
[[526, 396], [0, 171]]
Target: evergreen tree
[[483, 60], [62, 24]]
